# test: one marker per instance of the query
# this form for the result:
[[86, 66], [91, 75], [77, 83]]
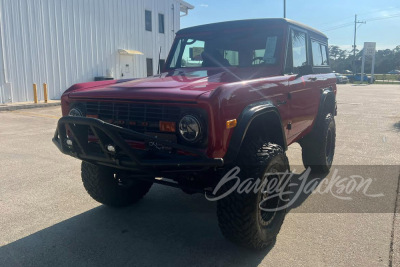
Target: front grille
[[138, 117]]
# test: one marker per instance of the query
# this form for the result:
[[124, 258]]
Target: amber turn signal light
[[167, 126], [92, 116], [231, 124]]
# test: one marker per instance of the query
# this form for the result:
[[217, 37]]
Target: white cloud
[[203, 5], [384, 14]]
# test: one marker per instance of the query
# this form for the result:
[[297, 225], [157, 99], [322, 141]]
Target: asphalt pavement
[[47, 218]]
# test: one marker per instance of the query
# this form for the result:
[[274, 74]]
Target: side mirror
[[305, 70]]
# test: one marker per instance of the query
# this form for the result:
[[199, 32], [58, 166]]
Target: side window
[[148, 22], [319, 52], [258, 56], [316, 52], [299, 49], [267, 53], [192, 55], [296, 55], [324, 55], [232, 57]]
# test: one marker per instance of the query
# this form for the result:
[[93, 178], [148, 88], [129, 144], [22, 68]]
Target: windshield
[[243, 48]]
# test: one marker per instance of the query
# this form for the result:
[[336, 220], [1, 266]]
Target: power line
[[384, 17], [380, 10], [338, 26], [368, 20], [334, 23]]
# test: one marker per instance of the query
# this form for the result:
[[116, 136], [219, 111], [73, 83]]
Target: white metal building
[[63, 42]]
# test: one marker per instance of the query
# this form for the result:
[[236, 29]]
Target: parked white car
[[341, 78]]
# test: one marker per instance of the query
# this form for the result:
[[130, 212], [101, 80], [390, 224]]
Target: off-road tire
[[239, 214], [101, 184], [318, 149]]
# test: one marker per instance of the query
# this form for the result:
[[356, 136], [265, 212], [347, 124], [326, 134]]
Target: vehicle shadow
[[167, 228]]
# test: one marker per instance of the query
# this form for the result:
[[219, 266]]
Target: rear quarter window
[[319, 53]]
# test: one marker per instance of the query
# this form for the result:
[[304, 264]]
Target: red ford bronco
[[232, 94]]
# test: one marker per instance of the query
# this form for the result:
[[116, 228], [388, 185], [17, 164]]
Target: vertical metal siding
[[63, 42]]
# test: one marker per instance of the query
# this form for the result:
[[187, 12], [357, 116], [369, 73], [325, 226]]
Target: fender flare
[[326, 95], [245, 119]]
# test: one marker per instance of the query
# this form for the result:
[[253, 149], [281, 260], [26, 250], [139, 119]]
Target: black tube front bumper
[[72, 138]]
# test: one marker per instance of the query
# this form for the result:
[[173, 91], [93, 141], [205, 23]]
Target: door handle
[[313, 79]]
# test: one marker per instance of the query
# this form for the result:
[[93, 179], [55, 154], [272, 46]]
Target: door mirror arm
[[304, 70]]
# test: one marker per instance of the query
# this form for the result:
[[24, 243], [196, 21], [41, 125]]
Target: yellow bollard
[[45, 92], [35, 97]]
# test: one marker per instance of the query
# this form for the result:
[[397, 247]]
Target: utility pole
[[355, 46], [284, 9]]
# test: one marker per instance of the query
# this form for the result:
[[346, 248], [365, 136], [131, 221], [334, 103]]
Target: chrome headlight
[[75, 112], [190, 128]]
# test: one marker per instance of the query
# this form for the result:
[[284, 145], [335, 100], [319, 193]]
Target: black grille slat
[[132, 115]]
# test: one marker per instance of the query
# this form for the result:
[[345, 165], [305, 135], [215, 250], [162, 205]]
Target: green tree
[[385, 60]]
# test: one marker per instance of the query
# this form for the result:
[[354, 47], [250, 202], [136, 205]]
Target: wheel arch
[[262, 117], [327, 103]]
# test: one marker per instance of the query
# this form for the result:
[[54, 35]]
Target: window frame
[[181, 40], [321, 43], [323, 68], [289, 49], [150, 29], [159, 23], [313, 41]]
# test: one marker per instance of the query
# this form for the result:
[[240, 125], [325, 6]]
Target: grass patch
[[383, 79], [387, 77], [387, 82]]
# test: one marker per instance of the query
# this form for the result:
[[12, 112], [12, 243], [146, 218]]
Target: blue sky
[[331, 17]]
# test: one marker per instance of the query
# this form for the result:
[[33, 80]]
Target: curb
[[12, 107]]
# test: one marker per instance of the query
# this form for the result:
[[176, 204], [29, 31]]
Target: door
[[303, 92], [126, 66]]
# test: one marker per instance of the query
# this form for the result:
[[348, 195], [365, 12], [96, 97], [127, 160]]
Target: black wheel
[[110, 188], [246, 218], [318, 149]]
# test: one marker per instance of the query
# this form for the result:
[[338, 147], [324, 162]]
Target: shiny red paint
[[223, 93], [222, 96]]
